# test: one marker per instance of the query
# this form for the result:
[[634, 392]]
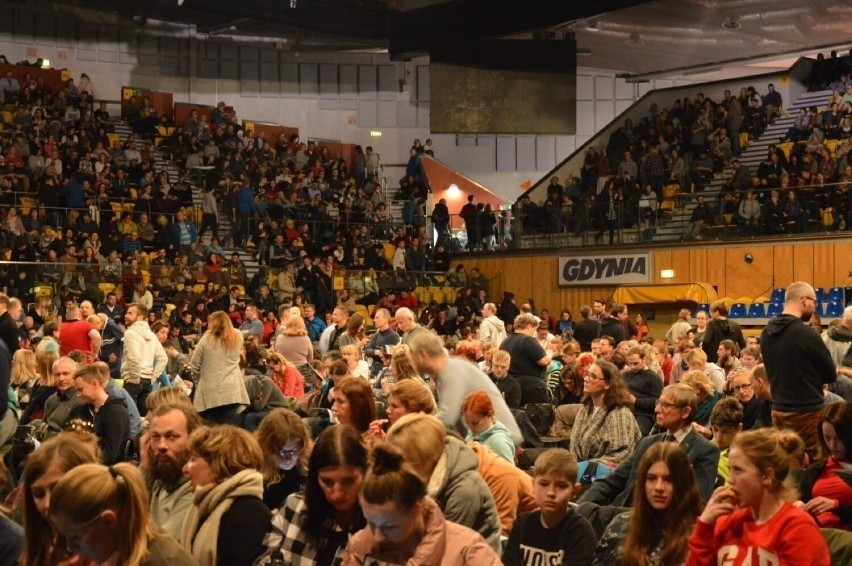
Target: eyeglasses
[[810, 299], [289, 453], [741, 387], [591, 377], [666, 405]]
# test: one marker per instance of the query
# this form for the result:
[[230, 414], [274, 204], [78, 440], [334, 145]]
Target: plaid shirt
[[289, 541]]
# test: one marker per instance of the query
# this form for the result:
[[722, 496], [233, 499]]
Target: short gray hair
[[405, 312], [427, 343], [847, 316]]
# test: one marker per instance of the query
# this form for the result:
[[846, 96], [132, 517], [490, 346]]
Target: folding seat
[[774, 309], [757, 310], [738, 310]]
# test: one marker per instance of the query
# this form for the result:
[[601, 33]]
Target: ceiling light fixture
[[731, 24], [592, 26]]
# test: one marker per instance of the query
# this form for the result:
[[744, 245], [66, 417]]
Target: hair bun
[[385, 459]]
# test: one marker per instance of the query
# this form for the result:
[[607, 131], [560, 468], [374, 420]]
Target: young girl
[[102, 513], [753, 519], [484, 428], [665, 505], [286, 445], [405, 525]]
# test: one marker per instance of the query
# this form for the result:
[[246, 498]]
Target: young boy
[[555, 534], [107, 412], [726, 419]]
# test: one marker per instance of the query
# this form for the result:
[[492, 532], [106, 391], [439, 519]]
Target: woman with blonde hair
[[754, 513], [293, 342], [102, 513], [171, 395], [228, 520], [24, 376], [356, 365], [286, 376], [286, 445], [448, 467], [44, 388], [406, 397], [215, 368]]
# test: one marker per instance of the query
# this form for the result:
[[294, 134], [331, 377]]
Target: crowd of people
[[339, 445], [679, 150]]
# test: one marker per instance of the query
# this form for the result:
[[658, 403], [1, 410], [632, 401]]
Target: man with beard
[[720, 328], [164, 453], [798, 363]]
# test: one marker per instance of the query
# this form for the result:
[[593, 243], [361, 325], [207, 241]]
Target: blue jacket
[[193, 233], [245, 201], [73, 193]]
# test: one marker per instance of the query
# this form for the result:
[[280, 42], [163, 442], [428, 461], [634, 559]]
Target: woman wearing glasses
[[286, 445], [605, 429]]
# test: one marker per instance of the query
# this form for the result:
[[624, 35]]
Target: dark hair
[[839, 415], [336, 446], [391, 479], [673, 526], [618, 395]]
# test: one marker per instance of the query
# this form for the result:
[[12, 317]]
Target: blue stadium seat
[[835, 294], [774, 309], [820, 294], [704, 307], [757, 310], [833, 309], [738, 310], [777, 296]]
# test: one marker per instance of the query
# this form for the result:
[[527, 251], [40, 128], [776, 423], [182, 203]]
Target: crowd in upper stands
[[667, 159]]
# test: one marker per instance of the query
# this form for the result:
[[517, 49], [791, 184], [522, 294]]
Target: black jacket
[[797, 363], [718, 330], [611, 326], [585, 331]]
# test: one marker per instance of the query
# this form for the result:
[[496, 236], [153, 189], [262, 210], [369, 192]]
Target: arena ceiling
[[623, 35]]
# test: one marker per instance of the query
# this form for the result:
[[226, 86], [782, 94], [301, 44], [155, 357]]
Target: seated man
[[107, 412], [675, 411]]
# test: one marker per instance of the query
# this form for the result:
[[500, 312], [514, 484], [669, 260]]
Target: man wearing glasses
[[675, 411], [798, 363], [752, 406]]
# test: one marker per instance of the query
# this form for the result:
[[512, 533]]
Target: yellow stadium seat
[[439, 297], [43, 290], [389, 250], [198, 288], [113, 138], [451, 294], [169, 308], [832, 145], [786, 147], [146, 276], [106, 287], [7, 117], [242, 289]]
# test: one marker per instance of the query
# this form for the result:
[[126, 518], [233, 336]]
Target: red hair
[[584, 361], [478, 402], [466, 349]]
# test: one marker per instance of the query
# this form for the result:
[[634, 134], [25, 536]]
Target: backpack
[[541, 416]]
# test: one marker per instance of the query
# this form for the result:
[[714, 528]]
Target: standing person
[[754, 515], [798, 364], [491, 329], [8, 406], [455, 379], [78, 334], [720, 328], [588, 329], [555, 534], [680, 328], [406, 525], [144, 359], [376, 349], [10, 312], [528, 360], [227, 522], [215, 368], [101, 513], [469, 215], [665, 506]]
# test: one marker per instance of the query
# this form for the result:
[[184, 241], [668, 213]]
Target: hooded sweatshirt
[[462, 494], [492, 330], [144, 357], [718, 330], [797, 363], [497, 438], [839, 339]]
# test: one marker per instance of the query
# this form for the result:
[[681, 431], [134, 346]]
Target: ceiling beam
[[412, 32]]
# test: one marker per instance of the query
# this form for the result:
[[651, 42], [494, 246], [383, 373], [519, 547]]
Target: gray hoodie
[[492, 330], [839, 339]]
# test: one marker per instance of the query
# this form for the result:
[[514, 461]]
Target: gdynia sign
[[605, 269]]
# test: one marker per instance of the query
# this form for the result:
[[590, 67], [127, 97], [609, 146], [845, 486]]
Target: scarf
[[200, 532]]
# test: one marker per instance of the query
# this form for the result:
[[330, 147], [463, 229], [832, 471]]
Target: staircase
[[673, 227]]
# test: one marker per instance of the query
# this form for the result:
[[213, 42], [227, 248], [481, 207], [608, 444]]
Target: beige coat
[[217, 375]]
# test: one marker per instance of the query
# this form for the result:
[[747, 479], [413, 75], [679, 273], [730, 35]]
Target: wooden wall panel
[[783, 265], [825, 264], [803, 262], [823, 260]]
